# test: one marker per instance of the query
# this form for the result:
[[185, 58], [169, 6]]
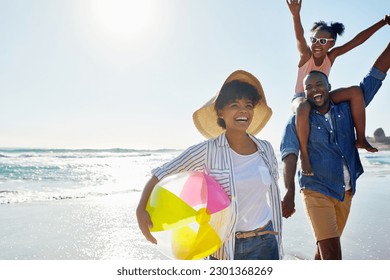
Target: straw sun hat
[[205, 118]]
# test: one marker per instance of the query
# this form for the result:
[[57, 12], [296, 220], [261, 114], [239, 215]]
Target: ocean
[[28, 175], [40, 187]]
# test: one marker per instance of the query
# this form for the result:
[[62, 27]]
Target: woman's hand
[[143, 217], [145, 223]]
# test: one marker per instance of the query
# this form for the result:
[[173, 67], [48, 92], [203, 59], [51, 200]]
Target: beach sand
[[366, 235], [78, 229], [105, 228]]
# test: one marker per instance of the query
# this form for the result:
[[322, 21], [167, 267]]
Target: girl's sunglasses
[[323, 41]]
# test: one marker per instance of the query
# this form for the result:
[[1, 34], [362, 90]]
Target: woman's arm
[[144, 221], [191, 159]]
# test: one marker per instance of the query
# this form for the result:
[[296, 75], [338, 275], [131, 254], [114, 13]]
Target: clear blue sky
[[103, 74]]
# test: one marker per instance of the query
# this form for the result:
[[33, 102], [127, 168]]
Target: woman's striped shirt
[[214, 157]]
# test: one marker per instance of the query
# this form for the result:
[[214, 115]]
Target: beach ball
[[190, 213]]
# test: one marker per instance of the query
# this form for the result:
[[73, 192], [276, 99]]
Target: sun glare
[[124, 18]]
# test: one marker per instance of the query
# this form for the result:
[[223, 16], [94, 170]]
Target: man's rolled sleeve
[[371, 84], [290, 143]]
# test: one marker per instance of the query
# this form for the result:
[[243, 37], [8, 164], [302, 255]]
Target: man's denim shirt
[[329, 148]]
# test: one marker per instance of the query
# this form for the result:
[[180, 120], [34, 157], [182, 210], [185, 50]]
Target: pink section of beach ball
[[217, 200], [194, 191]]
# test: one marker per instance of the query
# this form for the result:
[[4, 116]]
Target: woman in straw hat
[[245, 166]]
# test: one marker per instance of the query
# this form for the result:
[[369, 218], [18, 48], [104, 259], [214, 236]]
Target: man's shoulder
[[291, 120]]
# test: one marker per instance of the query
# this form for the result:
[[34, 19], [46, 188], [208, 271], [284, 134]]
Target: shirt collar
[[222, 141], [331, 107]]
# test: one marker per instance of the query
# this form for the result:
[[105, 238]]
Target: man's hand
[[288, 205]]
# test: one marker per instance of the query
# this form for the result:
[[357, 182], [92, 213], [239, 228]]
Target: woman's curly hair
[[234, 90]]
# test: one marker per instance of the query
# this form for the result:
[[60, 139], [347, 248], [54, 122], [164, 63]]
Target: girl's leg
[[303, 130], [355, 97]]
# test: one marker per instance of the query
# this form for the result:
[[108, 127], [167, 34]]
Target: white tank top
[[253, 182]]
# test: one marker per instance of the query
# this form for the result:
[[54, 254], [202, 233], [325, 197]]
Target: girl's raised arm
[[303, 48], [358, 39]]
